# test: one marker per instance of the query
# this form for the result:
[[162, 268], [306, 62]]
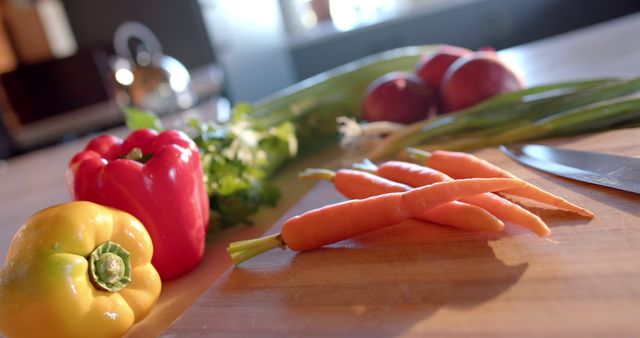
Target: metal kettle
[[150, 80]]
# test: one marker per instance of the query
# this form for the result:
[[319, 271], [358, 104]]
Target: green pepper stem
[[243, 250], [110, 267], [318, 174], [135, 154]]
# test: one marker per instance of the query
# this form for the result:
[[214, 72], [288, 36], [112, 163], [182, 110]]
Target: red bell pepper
[[156, 177]]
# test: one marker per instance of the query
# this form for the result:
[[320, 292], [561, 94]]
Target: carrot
[[415, 175], [464, 165], [336, 222], [356, 184]]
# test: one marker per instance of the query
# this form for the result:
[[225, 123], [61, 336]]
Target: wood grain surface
[[413, 280]]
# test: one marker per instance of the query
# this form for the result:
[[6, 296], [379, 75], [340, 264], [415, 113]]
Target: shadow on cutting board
[[380, 284]]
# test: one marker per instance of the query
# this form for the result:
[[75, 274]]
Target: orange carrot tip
[[243, 250], [418, 154], [463, 165], [317, 174], [365, 165]]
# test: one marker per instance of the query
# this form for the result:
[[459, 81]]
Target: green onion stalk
[[313, 105], [590, 118], [504, 112]]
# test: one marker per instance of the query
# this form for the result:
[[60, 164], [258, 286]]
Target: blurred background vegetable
[[398, 97], [434, 65], [552, 110], [313, 105], [474, 78]]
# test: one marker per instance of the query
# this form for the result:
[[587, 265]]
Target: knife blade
[[613, 171]]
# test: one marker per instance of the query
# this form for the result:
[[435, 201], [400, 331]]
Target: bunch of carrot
[[453, 189]]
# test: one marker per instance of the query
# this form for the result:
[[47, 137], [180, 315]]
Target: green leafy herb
[[139, 119], [238, 158]]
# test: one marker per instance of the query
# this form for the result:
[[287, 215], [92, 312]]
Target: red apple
[[398, 97], [432, 66], [474, 78]]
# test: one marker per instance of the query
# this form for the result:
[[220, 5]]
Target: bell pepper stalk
[[158, 178], [77, 269]]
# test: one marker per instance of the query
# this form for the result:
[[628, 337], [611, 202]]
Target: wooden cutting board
[[416, 280]]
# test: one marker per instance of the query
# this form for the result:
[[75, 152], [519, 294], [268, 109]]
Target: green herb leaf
[[238, 158], [139, 119]]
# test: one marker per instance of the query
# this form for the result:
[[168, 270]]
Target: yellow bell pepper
[[77, 270]]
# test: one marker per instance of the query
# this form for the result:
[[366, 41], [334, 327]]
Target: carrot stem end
[[243, 250], [317, 174], [418, 154], [366, 165]]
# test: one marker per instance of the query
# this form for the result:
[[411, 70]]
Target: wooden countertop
[[34, 181], [417, 280]]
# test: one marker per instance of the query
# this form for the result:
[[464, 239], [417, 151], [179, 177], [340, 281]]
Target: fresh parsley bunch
[[238, 158]]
